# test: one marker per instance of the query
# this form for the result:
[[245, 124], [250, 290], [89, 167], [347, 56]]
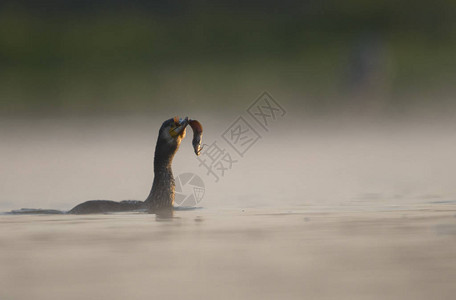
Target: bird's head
[[171, 134]]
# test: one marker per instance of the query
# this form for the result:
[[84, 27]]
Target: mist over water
[[319, 162]]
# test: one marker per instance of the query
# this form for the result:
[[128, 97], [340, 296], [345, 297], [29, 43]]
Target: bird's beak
[[180, 129]]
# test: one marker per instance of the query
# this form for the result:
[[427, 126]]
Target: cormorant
[[161, 196]]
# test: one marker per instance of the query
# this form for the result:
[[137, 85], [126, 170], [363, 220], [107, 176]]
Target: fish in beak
[[178, 131], [197, 135]]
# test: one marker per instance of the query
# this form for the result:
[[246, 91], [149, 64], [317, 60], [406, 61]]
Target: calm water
[[325, 210], [226, 254]]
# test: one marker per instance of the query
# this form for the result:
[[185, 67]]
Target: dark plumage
[[101, 206], [161, 196]]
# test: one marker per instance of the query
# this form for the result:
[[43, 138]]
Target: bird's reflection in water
[[164, 215], [168, 213]]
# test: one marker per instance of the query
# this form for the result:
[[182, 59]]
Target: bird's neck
[[162, 192]]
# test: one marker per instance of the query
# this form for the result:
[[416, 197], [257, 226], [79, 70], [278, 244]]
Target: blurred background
[[92, 57], [85, 85]]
